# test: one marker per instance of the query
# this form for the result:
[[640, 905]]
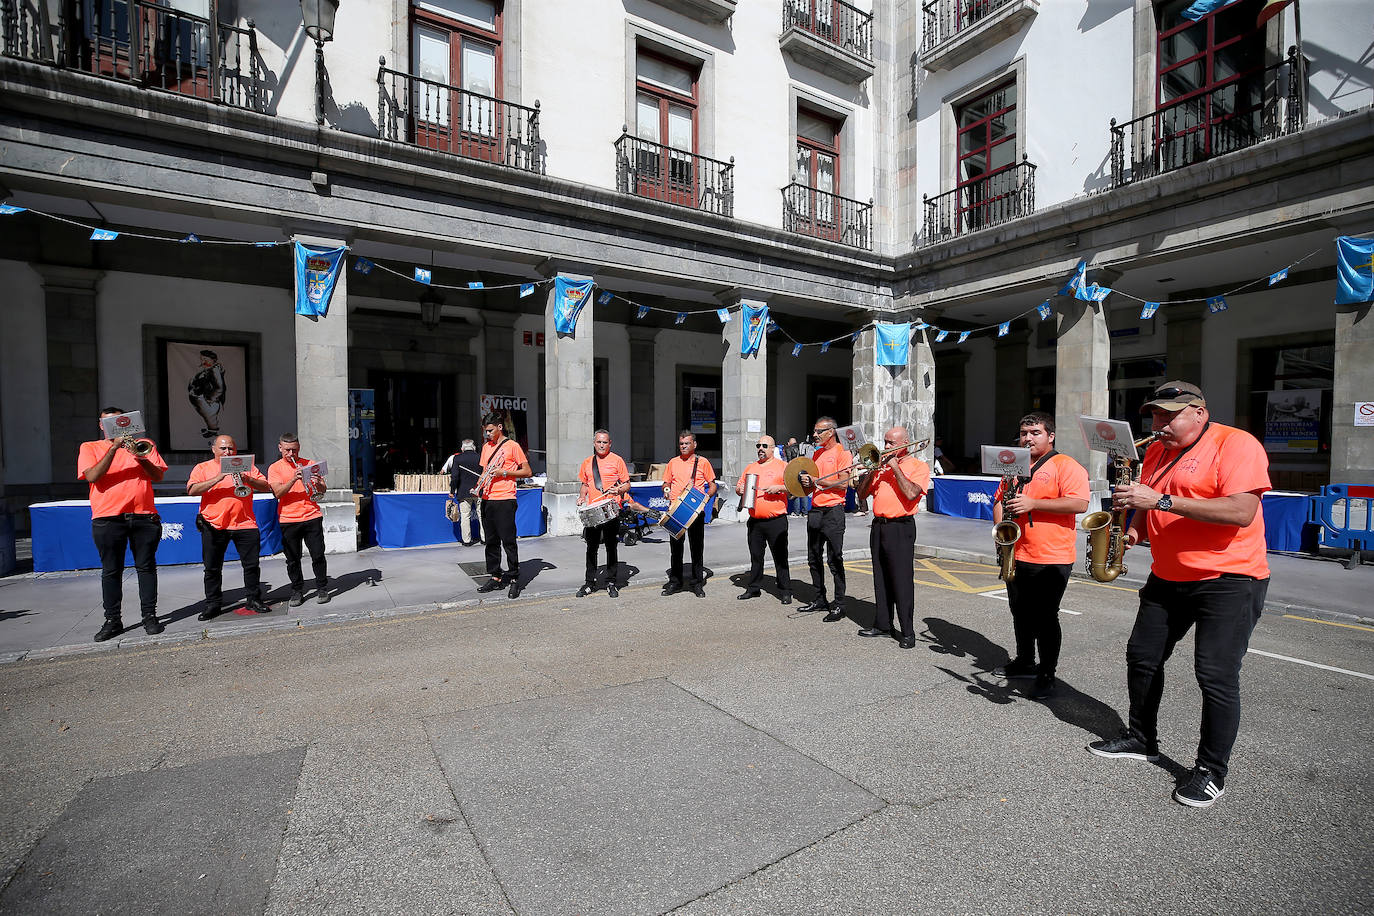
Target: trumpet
[[1107, 530], [139, 448], [309, 490]]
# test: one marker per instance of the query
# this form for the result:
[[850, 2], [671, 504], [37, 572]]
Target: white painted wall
[[1336, 40], [24, 427]]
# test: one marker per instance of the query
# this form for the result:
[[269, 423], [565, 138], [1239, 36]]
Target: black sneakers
[[112, 627], [297, 599], [1125, 745], [1043, 688], [1014, 669], [152, 626], [1201, 789]]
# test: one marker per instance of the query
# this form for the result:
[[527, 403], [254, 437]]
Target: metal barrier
[[1343, 511]]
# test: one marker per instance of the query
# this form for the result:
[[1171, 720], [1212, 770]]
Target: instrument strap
[[1035, 468], [596, 474], [1160, 476]]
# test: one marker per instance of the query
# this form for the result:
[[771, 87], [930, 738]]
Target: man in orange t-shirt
[[825, 520], [226, 516], [688, 471], [767, 525], [896, 486], [503, 463], [1044, 506], [123, 516], [300, 517], [1198, 502], [603, 475]]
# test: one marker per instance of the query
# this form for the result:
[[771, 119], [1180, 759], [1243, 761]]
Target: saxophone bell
[[1006, 533], [1106, 531]]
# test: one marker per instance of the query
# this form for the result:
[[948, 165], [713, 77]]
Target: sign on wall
[[1364, 413], [207, 394], [1292, 420]]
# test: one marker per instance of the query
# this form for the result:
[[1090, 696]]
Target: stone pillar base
[[340, 522], [729, 514], [561, 509]]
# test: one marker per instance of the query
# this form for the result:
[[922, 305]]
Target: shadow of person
[[339, 585], [11, 615], [625, 572], [530, 570]]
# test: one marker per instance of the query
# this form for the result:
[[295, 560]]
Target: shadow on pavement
[[11, 615], [530, 570]]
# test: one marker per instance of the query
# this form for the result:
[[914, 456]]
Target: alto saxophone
[[1107, 530], [1006, 533]]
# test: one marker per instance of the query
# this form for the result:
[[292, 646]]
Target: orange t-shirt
[[767, 505], [679, 469], [1223, 462], [221, 508], [125, 486], [511, 457], [888, 501], [295, 505], [830, 460], [613, 471], [1051, 537]]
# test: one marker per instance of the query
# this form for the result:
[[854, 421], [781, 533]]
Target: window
[[1209, 86], [666, 125], [986, 150], [457, 50], [818, 168], [168, 42]]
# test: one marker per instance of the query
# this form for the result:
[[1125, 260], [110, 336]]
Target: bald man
[[226, 516], [896, 487], [767, 521]]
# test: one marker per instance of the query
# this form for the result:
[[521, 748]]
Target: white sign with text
[[1111, 436], [1006, 461], [123, 424]]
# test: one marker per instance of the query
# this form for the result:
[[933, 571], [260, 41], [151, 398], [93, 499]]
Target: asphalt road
[[676, 754]]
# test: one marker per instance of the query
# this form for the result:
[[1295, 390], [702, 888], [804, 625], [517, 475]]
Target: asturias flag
[[894, 341], [755, 326], [1354, 270], [317, 270], [1200, 8], [569, 296]]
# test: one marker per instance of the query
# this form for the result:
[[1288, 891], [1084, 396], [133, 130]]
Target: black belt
[[827, 508], [883, 520]]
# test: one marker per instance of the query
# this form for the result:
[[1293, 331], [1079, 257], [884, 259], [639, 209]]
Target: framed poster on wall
[[206, 390]]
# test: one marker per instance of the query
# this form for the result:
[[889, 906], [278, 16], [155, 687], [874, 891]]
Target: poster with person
[[206, 388]]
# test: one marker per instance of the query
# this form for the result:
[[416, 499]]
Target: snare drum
[[684, 511], [599, 513]]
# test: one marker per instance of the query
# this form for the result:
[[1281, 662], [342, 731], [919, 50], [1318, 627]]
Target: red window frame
[[661, 175], [973, 199], [454, 137], [821, 217], [108, 54]]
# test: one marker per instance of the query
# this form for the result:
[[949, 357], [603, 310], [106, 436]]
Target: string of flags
[[317, 272]]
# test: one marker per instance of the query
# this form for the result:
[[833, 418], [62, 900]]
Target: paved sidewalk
[[58, 613]]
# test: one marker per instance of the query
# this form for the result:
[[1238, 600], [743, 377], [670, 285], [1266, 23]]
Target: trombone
[[866, 460]]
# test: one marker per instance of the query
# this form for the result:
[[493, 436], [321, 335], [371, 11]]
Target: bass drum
[[683, 511]]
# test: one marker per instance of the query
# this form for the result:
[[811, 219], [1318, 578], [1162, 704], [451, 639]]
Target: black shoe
[[698, 590], [835, 616], [585, 590], [747, 594], [490, 585], [874, 631], [1014, 669], [612, 591], [210, 613], [671, 588], [297, 599], [820, 604], [786, 599], [514, 590], [111, 628], [256, 606], [1126, 745], [1043, 688], [907, 642], [152, 626], [1201, 789], [322, 596]]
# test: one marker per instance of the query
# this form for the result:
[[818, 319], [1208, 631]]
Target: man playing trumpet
[[226, 514], [302, 520], [1044, 509]]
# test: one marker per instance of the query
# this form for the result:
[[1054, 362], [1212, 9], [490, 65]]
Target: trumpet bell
[[791, 475], [139, 447]]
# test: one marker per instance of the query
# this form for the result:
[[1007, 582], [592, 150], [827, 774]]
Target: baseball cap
[[1175, 395]]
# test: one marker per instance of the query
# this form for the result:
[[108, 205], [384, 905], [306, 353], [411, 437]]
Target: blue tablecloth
[[962, 496], [62, 533], [650, 495], [418, 520], [1284, 517]]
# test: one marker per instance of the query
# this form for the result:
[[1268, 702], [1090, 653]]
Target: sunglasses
[[762, 445], [1174, 392]]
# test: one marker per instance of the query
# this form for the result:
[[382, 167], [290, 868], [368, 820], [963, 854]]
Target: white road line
[[1002, 596], [1300, 661]]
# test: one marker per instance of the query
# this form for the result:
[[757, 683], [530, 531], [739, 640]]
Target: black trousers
[[771, 532], [140, 533], [892, 544], [1034, 595], [311, 534], [825, 532], [498, 526], [608, 534], [695, 536], [1224, 612], [213, 544]]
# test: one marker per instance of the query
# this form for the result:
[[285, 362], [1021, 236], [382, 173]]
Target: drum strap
[[596, 475]]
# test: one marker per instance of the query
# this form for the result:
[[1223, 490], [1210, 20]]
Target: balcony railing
[[822, 215], [1004, 195], [412, 109], [141, 42], [649, 169], [833, 21], [945, 19], [1258, 106]]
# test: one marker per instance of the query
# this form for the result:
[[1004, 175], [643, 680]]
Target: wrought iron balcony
[[652, 170], [144, 43], [945, 20], [833, 21], [993, 199], [421, 112], [822, 215], [1258, 106]]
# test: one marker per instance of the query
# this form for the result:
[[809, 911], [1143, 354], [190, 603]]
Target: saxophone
[[1006, 533], [1107, 530]]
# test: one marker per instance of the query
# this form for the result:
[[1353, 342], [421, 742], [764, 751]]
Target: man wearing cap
[[896, 486], [1198, 503], [767, 525]]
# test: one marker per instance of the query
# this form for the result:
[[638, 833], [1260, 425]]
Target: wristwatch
[[1165, 504]]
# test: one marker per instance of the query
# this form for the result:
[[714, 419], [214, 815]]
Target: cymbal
[[795, 468]]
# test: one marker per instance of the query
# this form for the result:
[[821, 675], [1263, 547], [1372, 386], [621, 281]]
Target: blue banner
[[422, 275], [526, 289], [963, 336], [1149, 310], [940, 338], [893, 343], [1003, 328], [1200, 8], [363, 266], [755, 317], [604, 298], [103, 235], [1216, 304], [825, 346], [1354, 270], [1278, 275], [1077, 282], [569, 296], [317, 270], [1044, 310], [641, 311], [723, 315]]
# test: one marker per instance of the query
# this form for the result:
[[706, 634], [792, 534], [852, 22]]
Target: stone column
[[73, 373], [569, 418], [744, 391], [1183, 341], [1082, 358], [1010, 401], [887, 396], [1352, 447], [322, 408], [642, 363], [500, 351]]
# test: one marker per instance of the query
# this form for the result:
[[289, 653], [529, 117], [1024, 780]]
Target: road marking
[[1300, 661], [1330, 623], [1002, 596]]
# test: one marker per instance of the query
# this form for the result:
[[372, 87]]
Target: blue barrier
[[1343, 511]]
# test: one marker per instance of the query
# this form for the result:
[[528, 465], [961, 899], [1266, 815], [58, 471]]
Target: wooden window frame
[[819, 223], [966, 210], [453, 137], [655, 179]]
